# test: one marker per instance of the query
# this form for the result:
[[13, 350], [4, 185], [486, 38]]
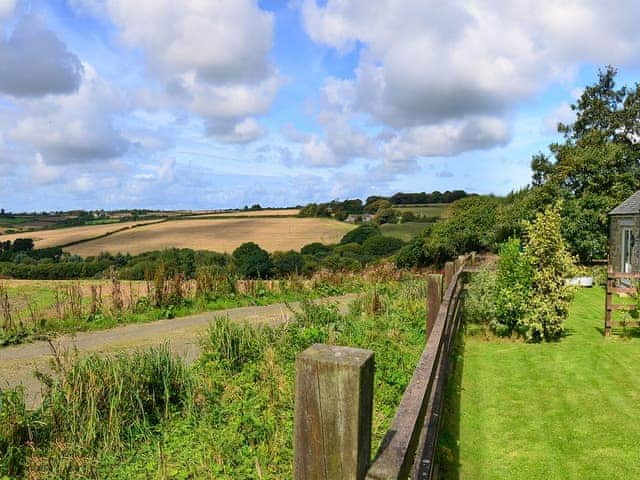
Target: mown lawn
[[567, 410]]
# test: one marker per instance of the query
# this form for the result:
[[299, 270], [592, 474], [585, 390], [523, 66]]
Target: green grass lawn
[[566, 410], [403, 231]]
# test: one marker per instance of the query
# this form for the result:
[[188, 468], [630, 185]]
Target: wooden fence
[[334, 400], [614, 285]]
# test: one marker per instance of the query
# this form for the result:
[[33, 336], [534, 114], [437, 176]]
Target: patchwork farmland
[[218, 234], [64, 236]]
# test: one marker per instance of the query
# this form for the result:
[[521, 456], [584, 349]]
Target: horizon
[[115, 105]]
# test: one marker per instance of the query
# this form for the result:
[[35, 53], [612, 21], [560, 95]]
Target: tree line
[[359, 247], [341, 209], [593, 168]]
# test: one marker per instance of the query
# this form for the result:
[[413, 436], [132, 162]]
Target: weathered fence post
[[473, 258], [608, 302], [434, 299], [449, 268], [333, 406]]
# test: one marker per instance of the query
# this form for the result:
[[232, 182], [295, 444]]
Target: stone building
[[624, 229]]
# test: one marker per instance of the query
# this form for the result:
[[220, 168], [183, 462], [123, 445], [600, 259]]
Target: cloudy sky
[[221, 103]]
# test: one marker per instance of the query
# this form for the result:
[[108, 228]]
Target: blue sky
[[222, 103]]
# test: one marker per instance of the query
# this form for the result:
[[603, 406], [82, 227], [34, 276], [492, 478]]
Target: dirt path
[[18, 363]]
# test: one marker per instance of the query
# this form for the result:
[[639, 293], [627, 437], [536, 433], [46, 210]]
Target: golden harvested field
[[220, 235], [289, 212], [63, 236]]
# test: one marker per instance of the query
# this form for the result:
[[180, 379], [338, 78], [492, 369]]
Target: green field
[[403, 231], [428, 210], [566, 410]]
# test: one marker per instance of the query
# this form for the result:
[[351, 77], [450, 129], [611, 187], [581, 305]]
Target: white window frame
[[626, 231]]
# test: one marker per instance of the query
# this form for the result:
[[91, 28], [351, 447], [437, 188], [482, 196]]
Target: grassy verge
[[230, 416], [36, 314], [565, 410]]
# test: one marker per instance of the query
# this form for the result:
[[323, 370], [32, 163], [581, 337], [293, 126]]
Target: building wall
[[616, 224]]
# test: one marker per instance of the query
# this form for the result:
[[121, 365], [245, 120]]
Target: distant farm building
[[624, 229], [359, 218]]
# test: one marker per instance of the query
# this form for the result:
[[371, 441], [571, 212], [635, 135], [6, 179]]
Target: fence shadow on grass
[[448, 454], [621, 332]]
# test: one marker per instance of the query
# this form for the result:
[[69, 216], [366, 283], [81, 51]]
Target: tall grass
[[18, 430], [230, 416], [91, 406], [109, 401], [234, 344]]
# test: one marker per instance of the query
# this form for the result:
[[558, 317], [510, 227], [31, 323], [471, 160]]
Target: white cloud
[[446, 139], [317, 153], [72, 128], [81, 184], [35, 62], [432, 72], [213, 57], [244, 131], [6, 8], [44, 174]]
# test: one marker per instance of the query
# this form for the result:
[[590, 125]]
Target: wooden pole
[[434, 299], [448, 275], [607, 305], [333, 407]]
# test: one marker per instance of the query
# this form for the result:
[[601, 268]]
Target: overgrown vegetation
[[527, 295], [229, 416]]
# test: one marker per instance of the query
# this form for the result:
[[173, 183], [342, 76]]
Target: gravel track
[[18, 363]]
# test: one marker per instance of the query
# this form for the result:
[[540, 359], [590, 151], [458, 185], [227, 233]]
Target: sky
[[202, 104]]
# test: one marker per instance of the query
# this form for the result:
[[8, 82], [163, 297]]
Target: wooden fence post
[[333, 406], [434, 299], [607, 304], [448, 275]]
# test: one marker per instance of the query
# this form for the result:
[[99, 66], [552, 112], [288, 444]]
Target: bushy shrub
[[387, 215], [412, 255], [530, 296], [470, 225], [479, 302], [317, 249], [360, 234], [337, 263], [380, 246], [349, 250], [287, 263], [513, 288], [551, 263], [251, 261], [377, 205]]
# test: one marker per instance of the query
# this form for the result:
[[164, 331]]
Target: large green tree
[[597, 165]]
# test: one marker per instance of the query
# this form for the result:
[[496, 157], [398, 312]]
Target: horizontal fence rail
[[334, 388], [614, 282]]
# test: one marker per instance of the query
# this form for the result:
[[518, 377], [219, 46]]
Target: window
[[627, 248]]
